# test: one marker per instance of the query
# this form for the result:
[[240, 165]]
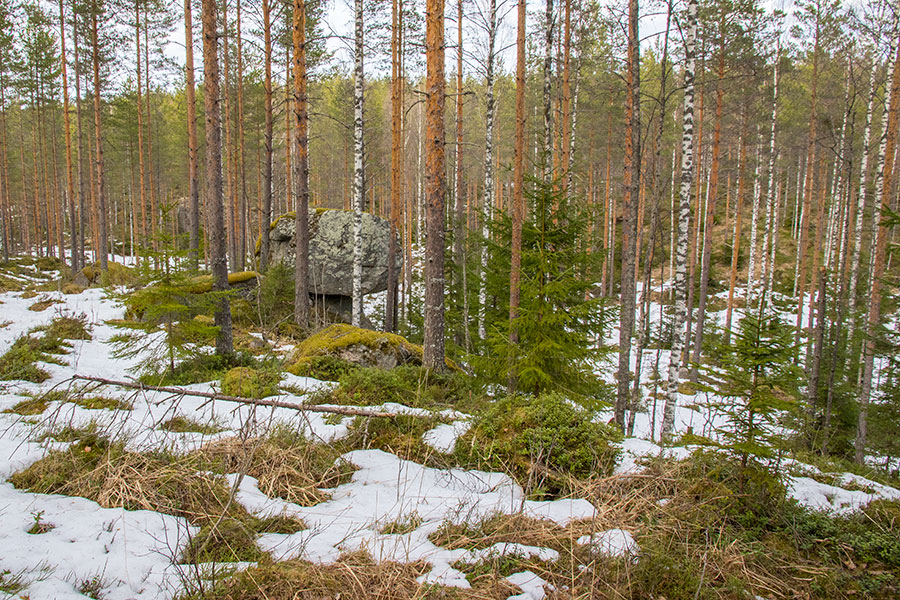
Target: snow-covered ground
[[133, 554]]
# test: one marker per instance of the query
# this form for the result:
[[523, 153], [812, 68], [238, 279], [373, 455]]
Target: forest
[[478, 299]]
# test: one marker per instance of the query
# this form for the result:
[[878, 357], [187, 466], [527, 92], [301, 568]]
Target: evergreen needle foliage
[[756, 381], [560, 324]]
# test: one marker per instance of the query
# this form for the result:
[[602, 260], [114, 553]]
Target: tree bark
[[193, 148], [684, 219], [70, 182], [301, 168], [435, 186], [98, 137], [358, 174], [629, 213], [488, 192], [214, 191]]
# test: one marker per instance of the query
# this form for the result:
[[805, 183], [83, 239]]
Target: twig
[[338, 410]]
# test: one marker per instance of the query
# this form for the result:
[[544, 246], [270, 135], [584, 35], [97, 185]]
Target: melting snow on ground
[[132, 554]]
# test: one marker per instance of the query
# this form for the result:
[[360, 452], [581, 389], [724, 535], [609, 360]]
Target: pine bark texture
[[214, 189], [435, 186]]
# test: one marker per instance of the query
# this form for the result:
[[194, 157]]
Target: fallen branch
[[337, 410]]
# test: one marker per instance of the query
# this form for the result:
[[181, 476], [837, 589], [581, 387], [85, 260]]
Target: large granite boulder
[[331, 250]]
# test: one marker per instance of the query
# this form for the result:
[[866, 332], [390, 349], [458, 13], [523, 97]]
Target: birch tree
[[684, 218], [358, 183]]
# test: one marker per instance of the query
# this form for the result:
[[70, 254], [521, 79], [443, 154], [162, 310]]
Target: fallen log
[[337, 410]]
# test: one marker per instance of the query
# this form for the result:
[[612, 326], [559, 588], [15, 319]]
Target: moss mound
[[204, 283], [355, 345], [116, 274], [545, 443], [250, 383]]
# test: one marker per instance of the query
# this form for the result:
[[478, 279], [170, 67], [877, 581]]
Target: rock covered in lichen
[[331, 250]]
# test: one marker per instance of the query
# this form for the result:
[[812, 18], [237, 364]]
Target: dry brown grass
[[286, 466], [353, 577]]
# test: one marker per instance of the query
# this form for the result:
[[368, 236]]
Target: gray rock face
[[331, 251]]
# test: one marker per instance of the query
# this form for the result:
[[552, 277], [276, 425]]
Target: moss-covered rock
[[355, 345], [250, 383], [241, 279]]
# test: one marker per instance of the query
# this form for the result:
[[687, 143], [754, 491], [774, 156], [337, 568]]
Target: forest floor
[[172, 496]]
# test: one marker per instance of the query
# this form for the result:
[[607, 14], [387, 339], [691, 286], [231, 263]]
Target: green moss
[[250, 383], [19, 362], [204, 283], [31, 406], [326, 368], [406, 384], [181, 424], [67, 327], [101, 403], [116, 274]]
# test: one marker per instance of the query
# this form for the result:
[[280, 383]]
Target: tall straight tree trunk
[[629, 212], [154, 205], [460, 230], [98, 137], [241, 170], [301, 168], [874, 312], [657, 192], [488, 192], [140, 123], [193, 149], [390, 308], [70, 180], [517, 209], [266, 200], [738, 217], [288, 139], [771, 232], [754, 228], [566, 95], [861, 200], [5, 206], [214, 191], [435, 186], [82, 164], [712, 191], [358, 175], [684, 220], [808, 187], [547, 158]]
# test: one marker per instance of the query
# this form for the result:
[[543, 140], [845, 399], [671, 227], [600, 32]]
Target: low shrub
[[544, 442], [326, 368], [407, 384]]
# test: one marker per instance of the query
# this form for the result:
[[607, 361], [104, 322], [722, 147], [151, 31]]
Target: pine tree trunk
[[566, 100], [193, 148], [241, 169], [712, 191], [390, 309], [140, 123], [301, 168], [736, 245], [808, 189], [358, 183], [70, 180], [435, 186], [98, 137], [547, 157], [266, 200], [684, 218], [459, 233], [214, 191], [154, 206], [629, 213]]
